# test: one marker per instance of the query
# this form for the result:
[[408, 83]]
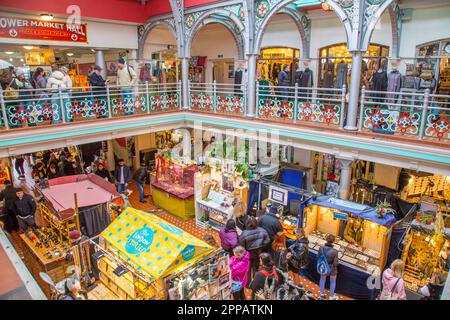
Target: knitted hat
[[121, 61]]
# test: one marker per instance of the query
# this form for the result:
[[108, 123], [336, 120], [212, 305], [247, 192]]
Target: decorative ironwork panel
[[202, 102], [230, 104], [128, 105], [86, 108], [392, 121], [329, 113], [274, 108], [164, 102], [32, 113], [438, 126]]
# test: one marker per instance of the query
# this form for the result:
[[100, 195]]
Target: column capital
[[345, 161]]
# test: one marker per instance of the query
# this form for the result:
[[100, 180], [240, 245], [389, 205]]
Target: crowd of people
[[261, 261]]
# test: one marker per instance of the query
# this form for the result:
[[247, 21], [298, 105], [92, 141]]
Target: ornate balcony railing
[[217, 98], [37, 107], [406, 113], [296, 104]]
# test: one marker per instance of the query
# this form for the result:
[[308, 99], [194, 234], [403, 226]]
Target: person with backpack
[[392, 280], [299, 251], [255, 240], [271, 223], [126, 79], [266, 280], [433, 289], [239, 267], [327, 264], [228, 236], [139, 179], [281, 255]]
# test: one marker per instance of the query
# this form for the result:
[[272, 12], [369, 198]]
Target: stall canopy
[[153, 246], [356, 209]]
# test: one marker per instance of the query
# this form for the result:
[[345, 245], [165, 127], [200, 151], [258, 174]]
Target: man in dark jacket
[[139, 179], [8, 196], [270, 223], [122, 175], [24, 208], [69, 166], [255, 240], [97, 82]]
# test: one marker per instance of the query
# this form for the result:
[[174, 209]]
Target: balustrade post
[[188, 104], [343, 94], [179, 88], [108, 100], [3, 106], [295, 102], [423, 120], [361, 111], [147, 95], [62, 106], [215, 95]]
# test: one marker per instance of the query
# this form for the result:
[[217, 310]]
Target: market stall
[[144, 257], [362, 240], [425, 246], [221, 193], [173, 186], [68, 203]]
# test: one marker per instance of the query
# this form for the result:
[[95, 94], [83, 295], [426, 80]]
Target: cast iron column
[[345, 180], [100, 61], [251, 86], [185, 80], [355, 80]]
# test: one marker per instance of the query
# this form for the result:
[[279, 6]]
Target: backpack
[[270, 285], [323, 267], [300, 255]]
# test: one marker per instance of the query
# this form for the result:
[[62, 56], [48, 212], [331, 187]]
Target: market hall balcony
[[409, 119]]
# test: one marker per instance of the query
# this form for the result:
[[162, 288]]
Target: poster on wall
[[32, 29], [278, 195]]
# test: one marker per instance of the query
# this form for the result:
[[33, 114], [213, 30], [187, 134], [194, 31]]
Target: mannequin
[[238, 78], [329, 73], [394, 83], [341, 74], [379, 83], [306, 80]]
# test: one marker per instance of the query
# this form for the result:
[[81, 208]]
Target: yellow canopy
[[153, 246]]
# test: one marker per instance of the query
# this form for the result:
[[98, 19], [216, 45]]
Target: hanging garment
[[94, 220], [298, 77], [394, 84], [341, 74], [379, 84], [307, 78], [329, 75], [238, 81]]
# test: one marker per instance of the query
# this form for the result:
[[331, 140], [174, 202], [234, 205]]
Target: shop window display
[[273, 60]]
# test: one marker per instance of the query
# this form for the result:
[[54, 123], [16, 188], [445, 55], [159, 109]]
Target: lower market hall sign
[[21, 28]]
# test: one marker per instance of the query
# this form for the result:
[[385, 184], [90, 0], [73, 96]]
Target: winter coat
[[57, 80], [140, 175], [284, 79], [280, 259], [389, 280], [229, 240], [271, 224], [126, 77], [299, 251], [332, 257], [104, 174], [126, 174], [21, 86], [25, 207], [239, 268], [8, 195], [97, 82], [254, 239]]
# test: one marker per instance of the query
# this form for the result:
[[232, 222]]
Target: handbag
[[390, 295], [10, 93], [236, 286]]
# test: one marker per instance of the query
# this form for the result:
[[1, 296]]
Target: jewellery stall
[[425, 246], [362, 240], [69, 203], [143, 257], [173, 187], [221, 193]]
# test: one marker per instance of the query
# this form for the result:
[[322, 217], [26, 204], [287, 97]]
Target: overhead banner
[[21, 28]]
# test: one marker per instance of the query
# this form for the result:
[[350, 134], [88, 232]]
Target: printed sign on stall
[[31, 29], [278, 195]]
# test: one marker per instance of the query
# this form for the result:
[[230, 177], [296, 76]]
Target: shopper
[[55, 83], [52, 172], [122, 175], [52, 160], [67, 78], [327, 264], [392, 280], [39, 83], [280, 255], [24, 209], [284, 80], [255, 240], [239, 267], [241, 221], [97, 82], [103, 172], [271, 223], [229, 238], [69, 166], [39, 171], [266, 280], [126, 78], [299, 254], [73, 290], [8, 196], [21, 84], [139, 178], [18, 165], [80, 167], [433, 289]]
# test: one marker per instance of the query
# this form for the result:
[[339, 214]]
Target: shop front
[[335, 64], [162, 68], [273, 60]]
